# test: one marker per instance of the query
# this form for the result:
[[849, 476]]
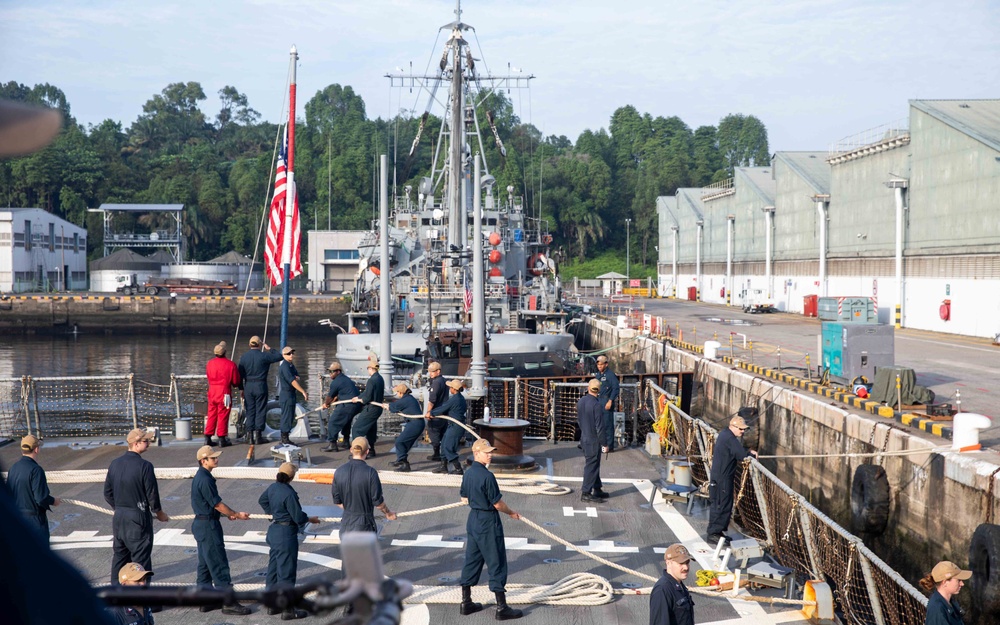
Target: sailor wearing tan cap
[[287, 521], [590, 418], [27, 483], [484, 532], [372, 397], [132, 574], [943, 582], [288, 383], [406, 404], [222, 375], [670, 602], [254, 367], [342, 388], [729, 453], [455, 407], [131, 489], [358, 490], [208, 508], [437, 394]]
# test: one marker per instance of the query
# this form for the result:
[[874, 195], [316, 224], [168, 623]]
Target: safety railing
[[797, 534]]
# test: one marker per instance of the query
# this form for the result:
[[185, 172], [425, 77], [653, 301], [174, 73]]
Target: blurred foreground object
[[25, 129]]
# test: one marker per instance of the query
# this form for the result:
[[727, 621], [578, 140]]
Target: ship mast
[[456, 203]]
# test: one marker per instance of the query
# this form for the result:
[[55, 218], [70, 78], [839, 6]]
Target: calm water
[[151, 359]]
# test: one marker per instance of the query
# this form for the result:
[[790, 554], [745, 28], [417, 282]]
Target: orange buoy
[[495, 272], [495, 239], [494, 257], [546, 239]]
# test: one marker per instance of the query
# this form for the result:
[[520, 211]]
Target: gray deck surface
[[619, 530]]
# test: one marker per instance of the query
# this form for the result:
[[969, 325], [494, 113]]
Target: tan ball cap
[[205, 451]]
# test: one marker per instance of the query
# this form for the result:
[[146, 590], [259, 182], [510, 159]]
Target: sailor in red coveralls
[[222, 376]]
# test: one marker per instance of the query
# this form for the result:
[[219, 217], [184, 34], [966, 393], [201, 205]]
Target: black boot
[[225, 442], [238, 609], [458, 468], [209, 441], [331, 446], [252, 437], [504, 611], [403, 467], [467, 606], [292, 614], [273, 611], [436, 456], [284, 439], [443, 468]]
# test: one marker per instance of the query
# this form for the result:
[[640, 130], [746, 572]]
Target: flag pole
[[291, 200]]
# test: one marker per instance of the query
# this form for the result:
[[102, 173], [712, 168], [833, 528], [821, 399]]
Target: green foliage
[[219, 167]]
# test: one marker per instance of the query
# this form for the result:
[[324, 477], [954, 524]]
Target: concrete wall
[[796, 221], [193, 315], [862, 211], [922, 485]]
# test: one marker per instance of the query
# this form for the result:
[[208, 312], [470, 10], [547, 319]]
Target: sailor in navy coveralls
[[288, 383], [130, 488], [608, 396], [287, 520], [590, 418], [253, 369], [437, 394], [456, 408], [670, 602], [726, 458], [406, 404], [342, 388], [358, 490], [484, 533], [374, 394], [27, 483], [208, 507]]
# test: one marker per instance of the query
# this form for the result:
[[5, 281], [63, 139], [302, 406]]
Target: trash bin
[[182, 428]]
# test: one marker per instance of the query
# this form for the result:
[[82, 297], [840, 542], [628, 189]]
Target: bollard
[[751, 352], [958, 400], [715, 335], [899, 394], [779, 358], [732, 354], [809, 371]]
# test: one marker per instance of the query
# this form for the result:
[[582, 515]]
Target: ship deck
[[426, 549]]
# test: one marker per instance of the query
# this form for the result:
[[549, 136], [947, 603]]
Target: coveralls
[[253, 369], [590, 417], [356, 486], [941, 612], [437, 395], [455, 407], [282, 503], [222, 375], [342, 388], [485, 542], [212, 561], [609, 390], [367, 422], [287, 373], [729, 452], [27, 483], [670, 603], [407, 404], [131, 489]]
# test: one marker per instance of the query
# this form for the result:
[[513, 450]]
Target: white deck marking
[[80, 536], [429, 540], [521, 544], [605, 546], [702, 553], [179, 538], [591, 512], [415, 615]]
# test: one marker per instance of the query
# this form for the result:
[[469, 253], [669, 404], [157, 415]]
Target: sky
[[814, 71]]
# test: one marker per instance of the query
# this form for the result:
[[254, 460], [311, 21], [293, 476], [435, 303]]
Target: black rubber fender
[[869, 500], [984, 560]]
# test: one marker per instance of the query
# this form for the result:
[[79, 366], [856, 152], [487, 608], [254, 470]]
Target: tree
[[742, 142]]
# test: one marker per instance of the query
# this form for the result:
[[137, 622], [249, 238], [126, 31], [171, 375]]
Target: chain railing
[[797, 534]]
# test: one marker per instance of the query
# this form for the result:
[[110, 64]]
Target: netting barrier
[[798, 535]]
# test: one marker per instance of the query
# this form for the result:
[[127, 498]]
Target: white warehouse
[[41, 252]]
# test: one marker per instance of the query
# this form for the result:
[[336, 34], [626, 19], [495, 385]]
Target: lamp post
[[627, 250]]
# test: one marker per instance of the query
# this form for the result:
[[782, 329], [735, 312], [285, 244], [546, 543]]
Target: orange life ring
[[546, 239]]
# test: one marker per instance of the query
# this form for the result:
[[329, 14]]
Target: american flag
[[278, 221], [467, 298]]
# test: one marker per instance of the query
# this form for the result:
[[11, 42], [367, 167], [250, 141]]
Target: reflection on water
[[150, 358]]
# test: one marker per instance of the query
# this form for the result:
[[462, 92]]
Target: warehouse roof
[[811, 167], [759, 180], [980, 119]]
